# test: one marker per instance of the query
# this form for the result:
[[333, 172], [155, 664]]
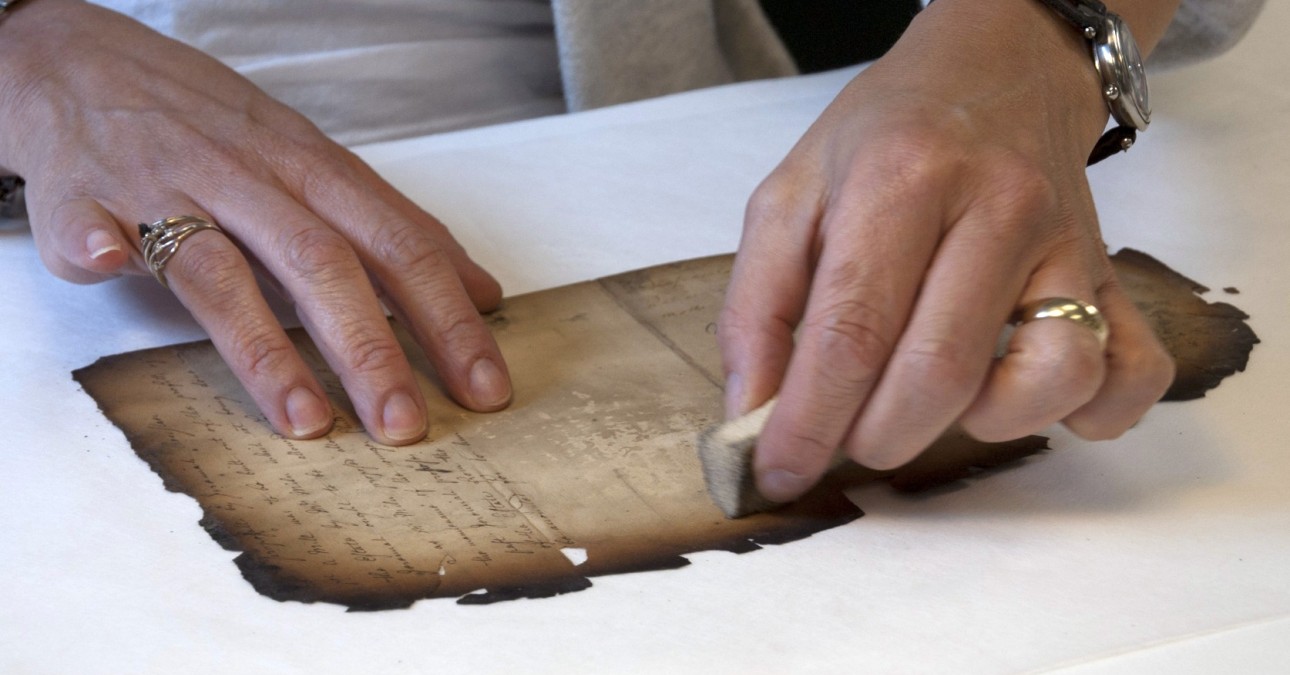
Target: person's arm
[[942, 189], [112, 125]]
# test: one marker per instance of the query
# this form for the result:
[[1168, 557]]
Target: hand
[[943, 188], [112, 125]]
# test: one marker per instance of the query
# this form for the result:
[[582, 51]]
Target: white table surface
[[1167, 550]]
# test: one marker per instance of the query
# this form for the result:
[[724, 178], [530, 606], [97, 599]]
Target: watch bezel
[[1119, 63]]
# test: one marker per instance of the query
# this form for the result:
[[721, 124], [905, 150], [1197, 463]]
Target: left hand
[[943, 188]]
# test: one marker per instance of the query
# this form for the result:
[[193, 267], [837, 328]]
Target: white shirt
[[368, 70]]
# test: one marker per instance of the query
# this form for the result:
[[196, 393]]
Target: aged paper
[[1209, 340], [591, 471]]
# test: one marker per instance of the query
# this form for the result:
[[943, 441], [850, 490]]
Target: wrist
[[1026, 56], [32, 40], [1077, 60]]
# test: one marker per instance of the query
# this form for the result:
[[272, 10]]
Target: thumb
[[81, 242]]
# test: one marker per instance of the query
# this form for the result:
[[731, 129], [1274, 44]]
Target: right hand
[[112, 124], [943, 188]]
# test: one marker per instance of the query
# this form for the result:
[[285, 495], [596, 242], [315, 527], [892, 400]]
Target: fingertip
[[81, 242], [785, 468], [484, 291], [884, 461], [490, 385], [782, 485], [308, 414], [402, 420], [105, 253]]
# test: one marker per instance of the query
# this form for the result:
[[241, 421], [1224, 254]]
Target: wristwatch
[[1119, 64]]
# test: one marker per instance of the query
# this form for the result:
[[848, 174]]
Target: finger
[[1138, 371], [767, 292], [415, 273], [942, 358], [1051, 366], [482, 288], [418, 267], [858, 305], [81, 242], [336, 303], [212, 279]]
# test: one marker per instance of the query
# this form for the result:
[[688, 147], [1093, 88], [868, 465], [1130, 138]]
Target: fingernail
[[402, 418], [307, 413], [488, 385], [734, 396], [779, 485], [100, 243]]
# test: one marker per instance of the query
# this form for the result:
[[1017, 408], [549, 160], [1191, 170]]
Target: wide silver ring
[[1077, 311], [160, 240]]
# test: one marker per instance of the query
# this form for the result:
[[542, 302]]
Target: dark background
[[828, 34]]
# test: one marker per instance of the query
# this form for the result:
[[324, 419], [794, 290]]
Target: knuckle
[[462, 334], [911, 160], [1023, 189], [733, 322], [369, 351], [769, 200], [790, 196], [314, 169], [1165, 371], [211, 259], [410, 247], [853, 341], [1079, 366], [943, 362], [879, 460], [987, 426], [1149, 368], [316, 253], [260, 352], [808, 453], [1069, 373], [287, 124], [1101, 429]]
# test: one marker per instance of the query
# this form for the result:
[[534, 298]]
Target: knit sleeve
[[1204, 29]]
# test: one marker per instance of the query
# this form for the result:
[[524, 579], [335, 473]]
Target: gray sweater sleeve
[[1203, 29]]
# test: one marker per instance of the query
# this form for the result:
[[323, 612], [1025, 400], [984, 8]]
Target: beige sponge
[[726, 451]]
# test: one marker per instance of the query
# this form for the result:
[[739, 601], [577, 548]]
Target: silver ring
[[1070, 309], [160, 240]]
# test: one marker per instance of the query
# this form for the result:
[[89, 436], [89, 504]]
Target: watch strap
[[1116, 140], [1087, 15]]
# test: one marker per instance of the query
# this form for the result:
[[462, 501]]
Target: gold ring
[[160, 240], [1070, 309]]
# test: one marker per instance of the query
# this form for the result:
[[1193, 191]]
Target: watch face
[[1133, 69], [1120, 64]]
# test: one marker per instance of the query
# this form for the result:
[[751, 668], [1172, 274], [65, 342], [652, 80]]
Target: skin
[[944, 187], [112, 124]]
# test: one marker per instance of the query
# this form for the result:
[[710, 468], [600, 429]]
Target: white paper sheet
[[1094, 556]]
